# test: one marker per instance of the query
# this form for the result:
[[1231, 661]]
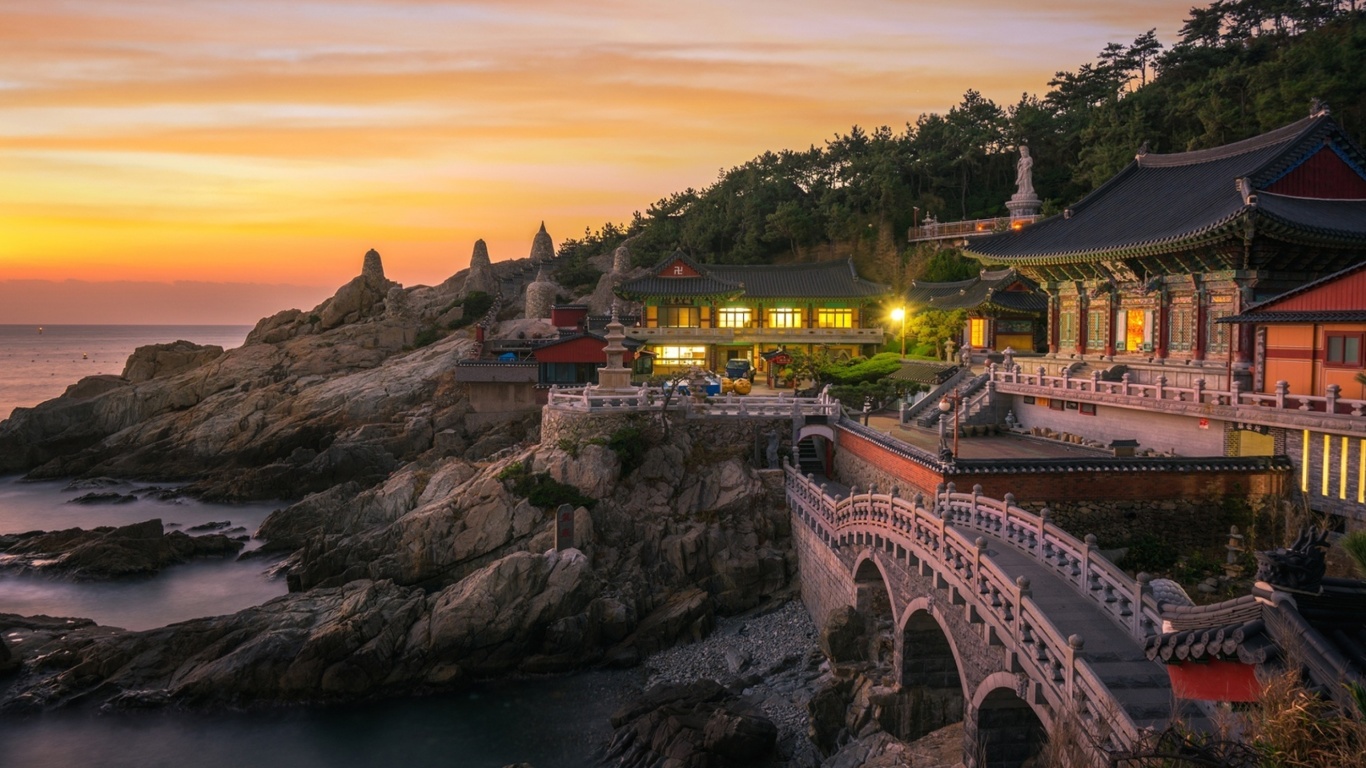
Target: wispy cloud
[[241, 140]]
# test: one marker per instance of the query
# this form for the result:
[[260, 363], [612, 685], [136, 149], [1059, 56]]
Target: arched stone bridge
[[997, 618]]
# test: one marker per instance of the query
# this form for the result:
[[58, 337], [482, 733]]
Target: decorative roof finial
[[1142, 150], [1319, 108]]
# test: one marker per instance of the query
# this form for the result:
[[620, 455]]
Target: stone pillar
[[542, 247], [540, 296], [372, 267], [481, 277], [614, 375]]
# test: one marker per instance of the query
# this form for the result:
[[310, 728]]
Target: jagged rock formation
[[542, 247], [540, 295], [621, 262], [435, 576]]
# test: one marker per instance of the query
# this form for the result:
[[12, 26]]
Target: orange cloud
[[254, 141]]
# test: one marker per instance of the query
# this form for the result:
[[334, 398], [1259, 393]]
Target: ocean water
[[39, 366], [552, 722]]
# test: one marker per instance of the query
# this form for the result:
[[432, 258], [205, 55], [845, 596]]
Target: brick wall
[[826, 583]]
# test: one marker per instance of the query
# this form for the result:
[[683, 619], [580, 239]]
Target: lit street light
[[899, 314]]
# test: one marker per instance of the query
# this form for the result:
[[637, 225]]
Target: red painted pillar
[[1053, 320], [1163, 316], [1199, 316], [1112, 325], [1082, 329]]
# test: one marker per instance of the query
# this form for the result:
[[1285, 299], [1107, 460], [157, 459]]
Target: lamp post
[[899, 314], [949, 402]]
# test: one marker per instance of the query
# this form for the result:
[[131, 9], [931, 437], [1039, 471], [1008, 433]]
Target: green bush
[[474, 307], [425, 337], [541, 489], [861, 370], [629, 444]]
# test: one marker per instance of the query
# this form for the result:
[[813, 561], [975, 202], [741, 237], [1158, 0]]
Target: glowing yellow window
[[835, 318], [733, 317], [977, 335], [784, 317]]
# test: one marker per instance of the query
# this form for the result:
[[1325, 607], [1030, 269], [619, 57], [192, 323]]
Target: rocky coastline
[[415, 558]]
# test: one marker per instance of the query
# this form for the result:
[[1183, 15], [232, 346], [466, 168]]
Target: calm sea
[[38, 366], [558, 722]]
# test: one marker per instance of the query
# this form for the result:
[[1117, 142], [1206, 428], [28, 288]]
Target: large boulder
[[139, 549], [844, 636], [154, 360]]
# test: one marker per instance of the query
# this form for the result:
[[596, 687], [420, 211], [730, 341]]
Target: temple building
[[1142, 270], [705, 314], [1004, 309]]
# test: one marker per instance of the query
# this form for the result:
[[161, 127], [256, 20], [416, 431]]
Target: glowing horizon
[[205, 140]]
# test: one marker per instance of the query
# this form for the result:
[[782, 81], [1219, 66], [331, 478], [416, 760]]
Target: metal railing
[[936, 537], [742, 335]]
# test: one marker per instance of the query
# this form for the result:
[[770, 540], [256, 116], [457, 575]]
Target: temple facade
[[1143, 270], [695, 314], [1004, 309]]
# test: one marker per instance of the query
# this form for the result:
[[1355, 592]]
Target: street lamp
[[949, 402], [899, 314]]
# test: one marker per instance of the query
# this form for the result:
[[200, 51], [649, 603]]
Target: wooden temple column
[[1054, 318], [1082, 330], [1161, 318], [1199, 338], [1243, 338], [1111, 322]]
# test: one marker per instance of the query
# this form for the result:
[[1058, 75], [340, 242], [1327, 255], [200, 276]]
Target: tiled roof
[[1327, 631], [985, 290], [565, 338], [1337, 316], [821, 280], [1160, 202], [496, 371], [924, 372]]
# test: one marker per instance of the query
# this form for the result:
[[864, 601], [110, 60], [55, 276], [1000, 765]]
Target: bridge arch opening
[[1009, 733], [933, 694], [874, 602], [815, 453]]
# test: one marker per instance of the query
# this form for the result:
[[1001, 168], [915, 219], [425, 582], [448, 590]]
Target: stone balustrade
[[1330, 412], [594, 400], [939, 539]]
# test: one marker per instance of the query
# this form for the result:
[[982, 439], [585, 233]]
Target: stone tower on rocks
[[540, 296], [542, 247], [372, 268], [481, 277], [621, 263]]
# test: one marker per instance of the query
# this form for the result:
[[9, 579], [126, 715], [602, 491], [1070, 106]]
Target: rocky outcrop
[[697, 725], [360, 639], [542, 246], [139, 549], [149, 362]]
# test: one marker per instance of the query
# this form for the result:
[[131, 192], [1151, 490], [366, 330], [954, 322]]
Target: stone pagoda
[[614, 377]]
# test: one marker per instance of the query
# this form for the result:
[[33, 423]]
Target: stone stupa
[[614, 376], [542, 247], [481, 277], [540, 296]]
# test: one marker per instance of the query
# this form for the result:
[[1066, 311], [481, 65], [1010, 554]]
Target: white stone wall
[[1164, 432]]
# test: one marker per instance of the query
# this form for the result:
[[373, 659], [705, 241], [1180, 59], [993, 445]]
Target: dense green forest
[[1240, 67]]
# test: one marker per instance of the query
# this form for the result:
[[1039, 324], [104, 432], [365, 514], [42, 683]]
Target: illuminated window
[[784, 317], [678, 357], [1344, 349], [733, 317], [835, 318], [679, 317], [977, 332]]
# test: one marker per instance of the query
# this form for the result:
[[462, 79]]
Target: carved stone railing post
[[1199, 390], [1282, 389], [1140, 588], [1075, 644], [1331, 401], [1161, 384], [1124, 384], [1095, 381], [1234, 393]]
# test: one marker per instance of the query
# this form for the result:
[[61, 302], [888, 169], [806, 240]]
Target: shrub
[[475, 306], [1147, 552], [425, 337], [629, 444], [1354, 544], [541, 489]]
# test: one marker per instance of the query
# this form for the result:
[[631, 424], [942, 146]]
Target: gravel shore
[[770, 656]]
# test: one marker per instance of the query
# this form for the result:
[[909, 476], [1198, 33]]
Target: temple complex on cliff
[[1142, 270]]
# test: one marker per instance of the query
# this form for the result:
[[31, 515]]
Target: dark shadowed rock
[[132, 550], [845, 636], [695, 725]]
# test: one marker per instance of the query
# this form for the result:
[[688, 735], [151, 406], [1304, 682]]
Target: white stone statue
[[1024, 174]]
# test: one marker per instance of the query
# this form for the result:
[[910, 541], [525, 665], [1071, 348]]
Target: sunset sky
[[246, 141]]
